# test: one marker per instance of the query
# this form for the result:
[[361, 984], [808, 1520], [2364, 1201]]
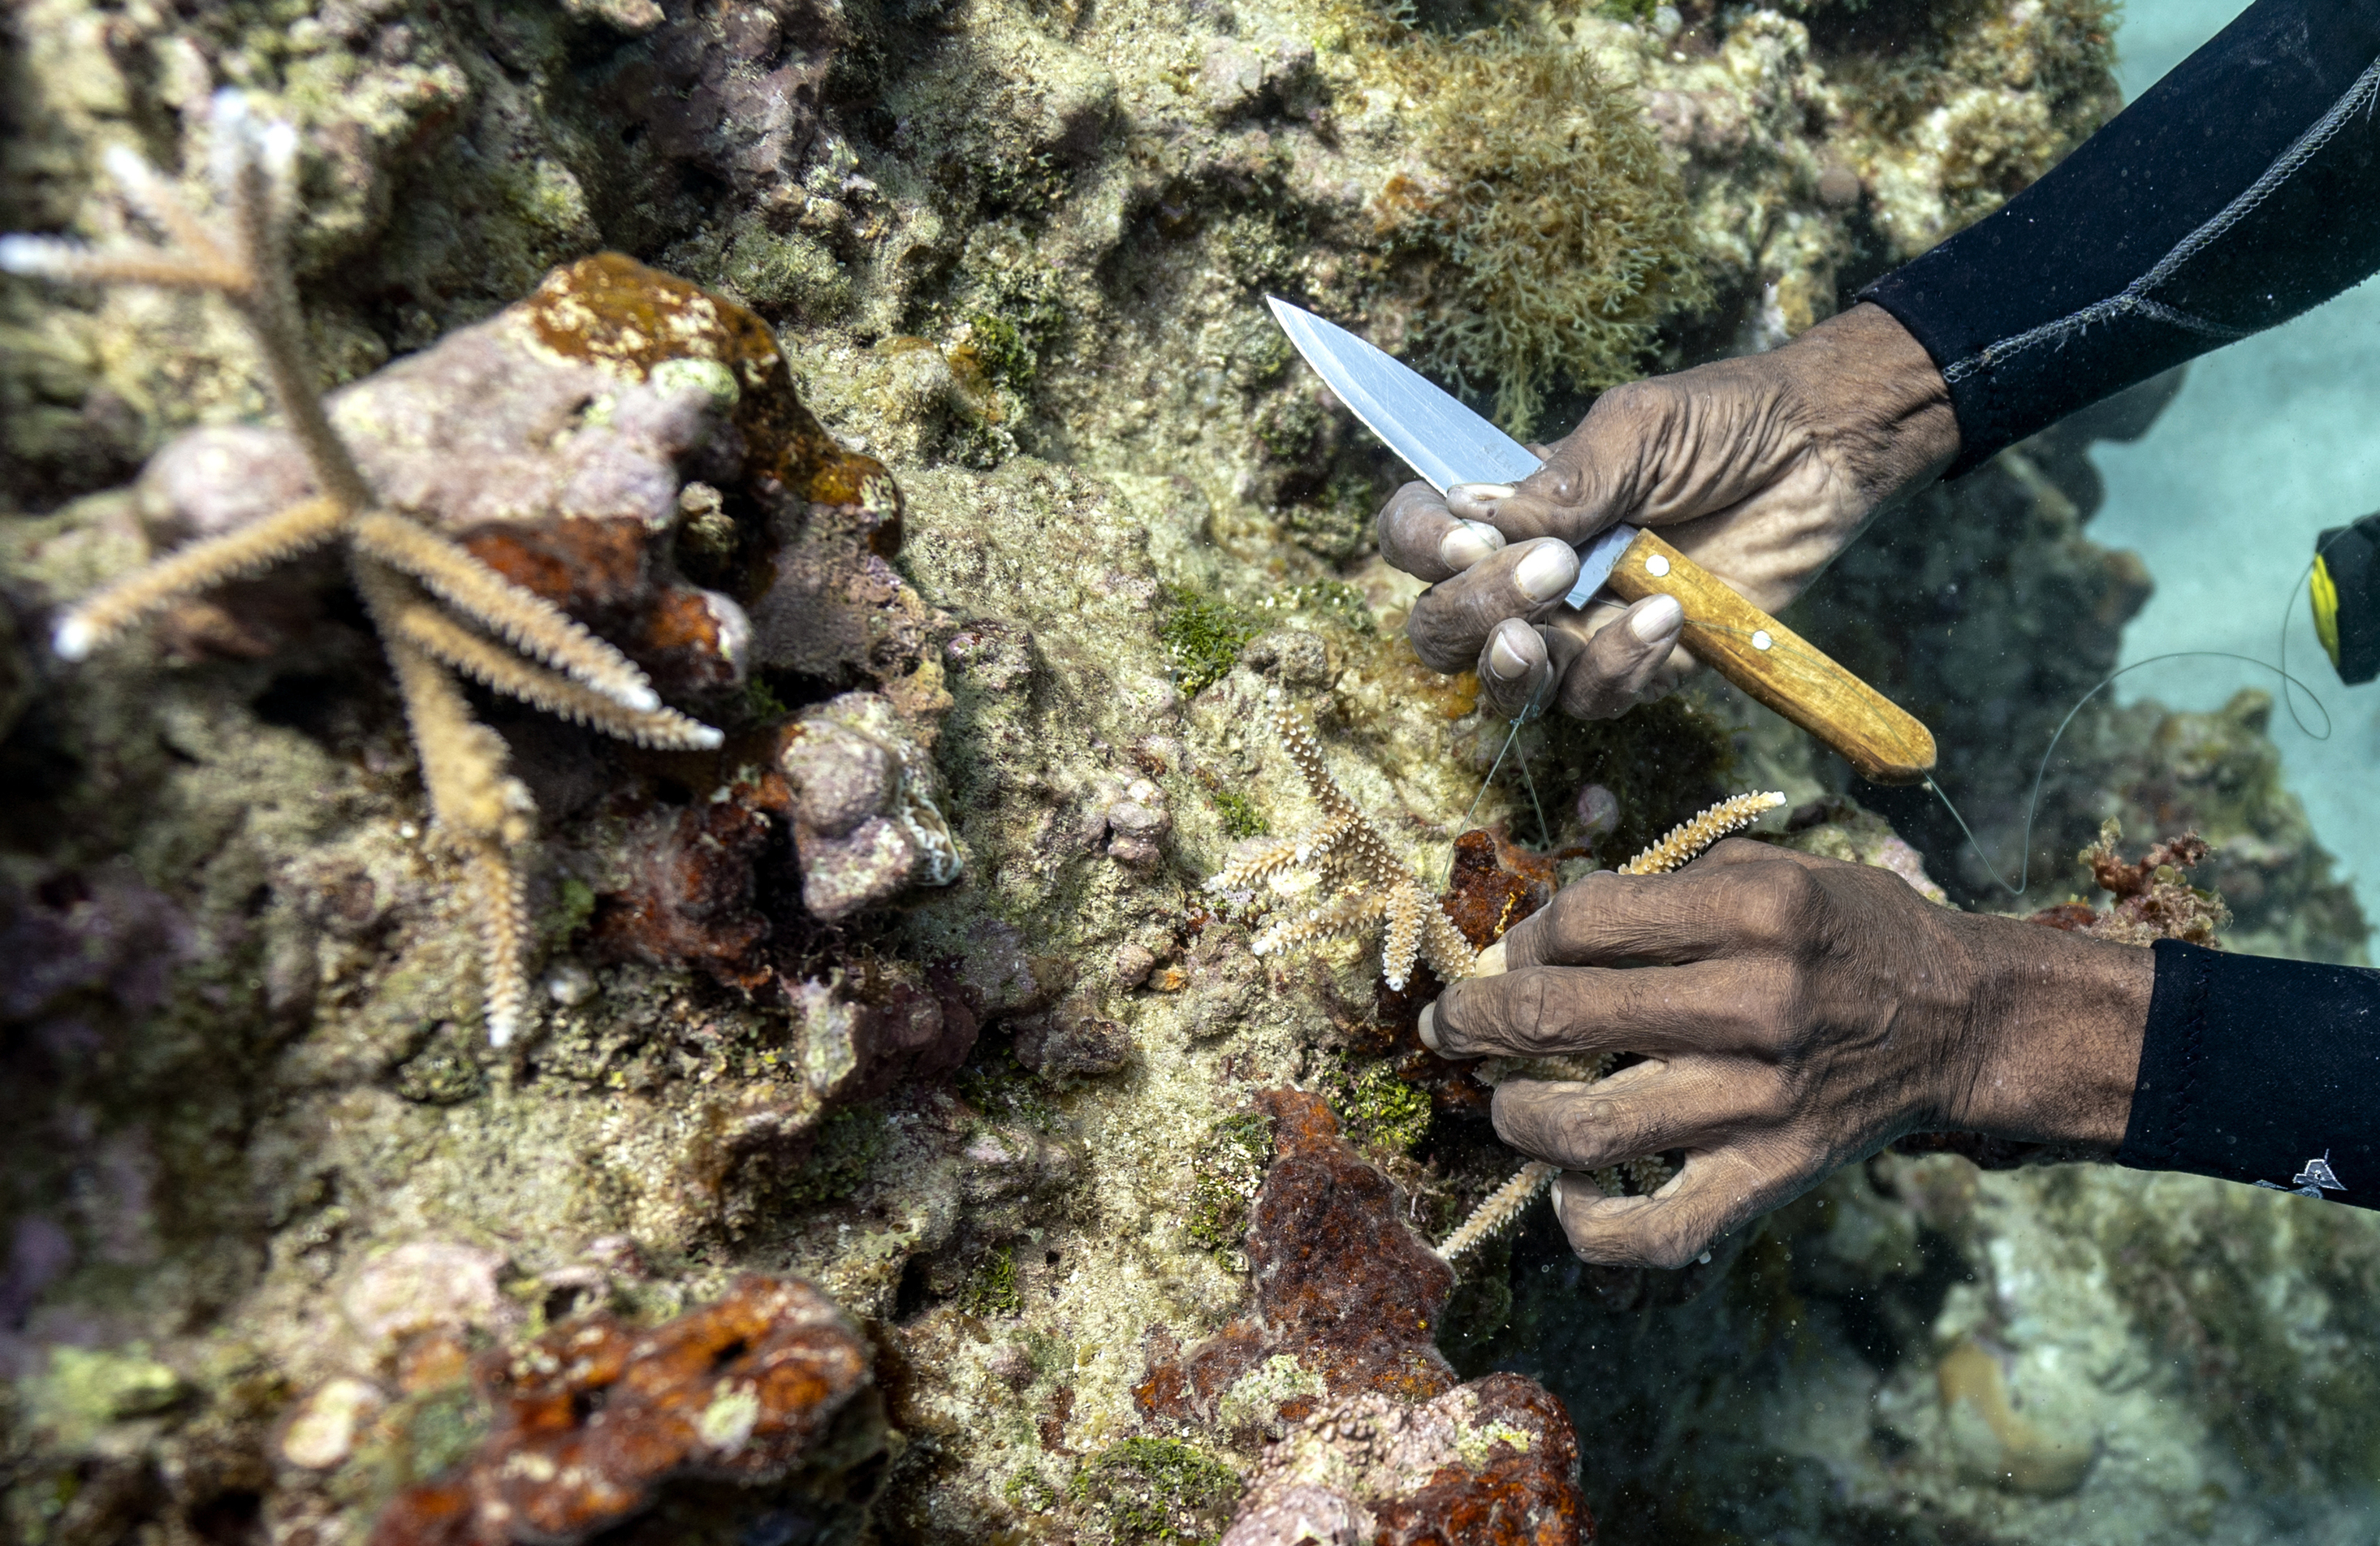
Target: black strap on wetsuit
[[2237, 192], [2240, 190]]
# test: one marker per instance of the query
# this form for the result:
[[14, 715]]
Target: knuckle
[[1776, 903], [1589, 695], [1555, 928], [1438, 637], [1536, 1011]]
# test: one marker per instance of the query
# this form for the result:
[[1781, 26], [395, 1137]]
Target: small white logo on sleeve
[[2315, 1179]]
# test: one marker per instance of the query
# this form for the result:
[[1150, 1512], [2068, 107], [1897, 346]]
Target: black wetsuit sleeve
[[2240, 190], [2262, 1071]]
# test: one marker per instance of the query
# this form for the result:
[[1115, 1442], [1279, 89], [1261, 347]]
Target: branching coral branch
[[483, 813], [1501, 1210], [1346, 848], [1689, 838], [252, 550], [1504, 1206]]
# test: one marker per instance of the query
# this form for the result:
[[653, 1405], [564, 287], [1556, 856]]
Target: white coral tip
[[704, 738], [1396, 984], [31, 255], [73, 637], [640, 697], [500, 1030], [278, 147], [126, 165]]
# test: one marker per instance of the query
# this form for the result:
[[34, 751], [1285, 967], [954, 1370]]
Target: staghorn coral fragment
[[1689, 838], [1500, 1211], [1644, 1173], [527, 621], [768, 1386], [1346, 848], [254, 548], [480, 810]]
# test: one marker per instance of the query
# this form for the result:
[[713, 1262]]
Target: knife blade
[[1447, 444]]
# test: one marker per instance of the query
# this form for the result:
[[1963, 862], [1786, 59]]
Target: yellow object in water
[[2325, 595], [1998, 1443]]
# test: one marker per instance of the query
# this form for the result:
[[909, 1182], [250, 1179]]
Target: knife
[[1447, 444]]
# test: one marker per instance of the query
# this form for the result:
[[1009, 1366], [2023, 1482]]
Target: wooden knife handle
[[1777, 666]]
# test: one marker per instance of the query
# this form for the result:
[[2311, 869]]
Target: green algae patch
[[847, 1143], [1241, 816], [1203, 638], [1381, 1110], [992, 1290], [1224, 1175], [1155, 1490], [1569, 241]]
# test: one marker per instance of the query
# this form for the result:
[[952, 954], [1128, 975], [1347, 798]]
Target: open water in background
[[2270, 441]]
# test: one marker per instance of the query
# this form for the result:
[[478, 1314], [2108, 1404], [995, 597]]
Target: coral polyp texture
[[1685, 842], [1379, 891], [438, 609]]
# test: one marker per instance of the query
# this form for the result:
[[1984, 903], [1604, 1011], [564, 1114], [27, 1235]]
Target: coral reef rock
[[592, 1419], [1492, 1462], [892, 383]]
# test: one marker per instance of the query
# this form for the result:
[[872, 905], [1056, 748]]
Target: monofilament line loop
[[2032, 807]]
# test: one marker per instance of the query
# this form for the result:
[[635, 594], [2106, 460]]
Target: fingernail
[[1506, 661], [1657, 619], [1491, 962], [1428, 1026], [1480, 493], [1468, 543], [1547, 571]]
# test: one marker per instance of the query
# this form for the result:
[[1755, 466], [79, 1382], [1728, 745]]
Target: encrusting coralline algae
[[935, 451]]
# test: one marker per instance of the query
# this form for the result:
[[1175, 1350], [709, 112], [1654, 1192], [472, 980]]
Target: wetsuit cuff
[[2262, 1071]]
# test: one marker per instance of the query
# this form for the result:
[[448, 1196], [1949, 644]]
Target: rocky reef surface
[[901, 1146]]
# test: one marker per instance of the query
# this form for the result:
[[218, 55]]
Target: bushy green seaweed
[[1202, 637], [1563, 220], [1381, 1110], [1156, 1490]]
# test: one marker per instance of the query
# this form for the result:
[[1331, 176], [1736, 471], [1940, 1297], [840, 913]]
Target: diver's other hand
[[1759, 469], [1795, 1013]]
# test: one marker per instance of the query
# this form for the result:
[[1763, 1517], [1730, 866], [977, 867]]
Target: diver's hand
[[1760, 470], [1796, 1014]]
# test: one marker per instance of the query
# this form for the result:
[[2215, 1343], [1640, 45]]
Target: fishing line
[[1529, 710], [2032, 807], [2041, 772]]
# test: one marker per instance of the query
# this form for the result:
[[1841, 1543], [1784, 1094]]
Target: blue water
[[2270, 441]]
